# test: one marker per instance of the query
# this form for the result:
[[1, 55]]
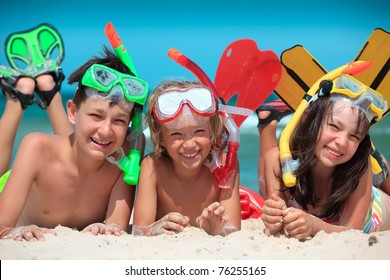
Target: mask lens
[[135, 88], [377, 100], [169, 103], [104, 77], [358, 94], [201, 100]]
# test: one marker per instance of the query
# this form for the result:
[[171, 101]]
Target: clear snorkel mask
[[359, 96], [350, 90], [192, 105]]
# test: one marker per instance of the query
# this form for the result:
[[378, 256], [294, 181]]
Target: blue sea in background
[[35, 119]]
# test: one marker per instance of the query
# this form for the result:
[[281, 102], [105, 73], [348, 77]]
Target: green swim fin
[[35, 51]]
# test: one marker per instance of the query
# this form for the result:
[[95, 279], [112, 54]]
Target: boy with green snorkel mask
[[66, 179]]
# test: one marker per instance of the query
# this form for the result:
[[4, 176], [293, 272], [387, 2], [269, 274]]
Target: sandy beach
[[194, 244]]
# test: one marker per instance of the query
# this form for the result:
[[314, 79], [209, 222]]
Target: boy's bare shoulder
[[38, 142]]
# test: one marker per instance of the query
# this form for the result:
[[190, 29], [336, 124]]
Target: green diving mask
[[107, 80]]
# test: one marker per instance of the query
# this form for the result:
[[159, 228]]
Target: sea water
[[35, 119]]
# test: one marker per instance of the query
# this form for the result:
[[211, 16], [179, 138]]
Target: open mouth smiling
[[190, 155], [332, 152], [101, 143]]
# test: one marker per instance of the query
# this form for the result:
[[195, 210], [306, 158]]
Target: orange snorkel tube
[[223, 174], [289, 165]]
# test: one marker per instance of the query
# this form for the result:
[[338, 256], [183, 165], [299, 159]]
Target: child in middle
[[176, 189]]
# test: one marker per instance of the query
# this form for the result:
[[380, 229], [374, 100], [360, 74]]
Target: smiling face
[[188, 145], [340, 136], [100, 126]]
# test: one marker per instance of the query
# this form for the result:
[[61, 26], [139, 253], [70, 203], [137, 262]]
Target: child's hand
[[272, 214], [171, 223], [213, 221], [28, 233], [297, 223], [100, 228]]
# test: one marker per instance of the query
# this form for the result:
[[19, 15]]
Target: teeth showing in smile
[[99, 142], [332, 152], [192, 155]]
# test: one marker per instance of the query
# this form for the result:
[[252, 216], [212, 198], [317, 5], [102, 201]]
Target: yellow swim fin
[[299, 72], [377, 50]]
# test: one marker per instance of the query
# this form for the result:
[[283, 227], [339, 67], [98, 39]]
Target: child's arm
[[276, 200], [118, 211], [17, 189], [145, 209], [146, 201], [223, 217], [301, 225], [272, 169], [121, 203]]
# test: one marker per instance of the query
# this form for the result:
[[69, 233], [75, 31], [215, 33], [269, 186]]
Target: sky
[[332, 31]]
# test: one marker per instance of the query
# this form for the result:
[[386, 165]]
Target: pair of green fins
[[301, 70]]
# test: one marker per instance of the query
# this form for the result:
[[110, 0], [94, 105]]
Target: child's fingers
[[296, 223], [271, 211], [281, 203], [93, 229], [172, 226], [225, 220], [219, 210], [213, 206], [28, 233], [178, 218], [114, 230], [277, 204]]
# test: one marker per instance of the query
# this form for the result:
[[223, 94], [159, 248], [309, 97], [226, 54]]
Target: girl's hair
[[216, 125], [109, 59], [345, 177]]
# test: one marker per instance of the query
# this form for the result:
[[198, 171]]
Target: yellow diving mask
[[369, 101]]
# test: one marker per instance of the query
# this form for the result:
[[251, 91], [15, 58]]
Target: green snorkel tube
[[129, 165]]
